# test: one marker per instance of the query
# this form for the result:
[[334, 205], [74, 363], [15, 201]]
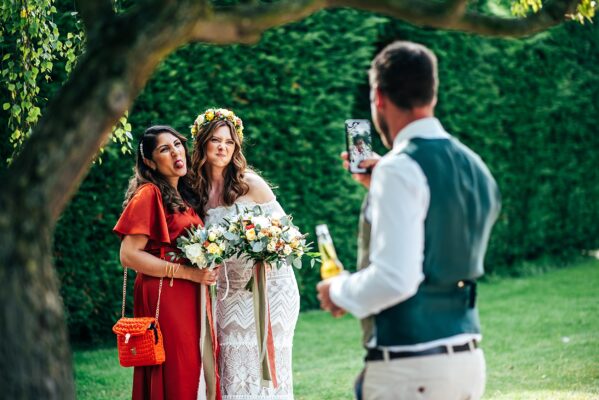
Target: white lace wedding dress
[[238, 363]]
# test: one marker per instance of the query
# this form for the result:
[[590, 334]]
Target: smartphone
[[358, 138]]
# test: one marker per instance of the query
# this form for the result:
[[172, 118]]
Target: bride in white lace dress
[[222, 181]]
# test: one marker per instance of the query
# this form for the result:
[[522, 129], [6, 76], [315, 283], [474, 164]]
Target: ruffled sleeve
[[271, 207], [144, 215]]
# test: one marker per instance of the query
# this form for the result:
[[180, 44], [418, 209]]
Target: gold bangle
[[172, 274]]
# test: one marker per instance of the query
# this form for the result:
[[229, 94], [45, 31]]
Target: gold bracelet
[[172, 274], [166, 269]]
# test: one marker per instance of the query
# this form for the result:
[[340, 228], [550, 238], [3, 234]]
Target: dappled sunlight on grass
[[541, 341], [544, 395]]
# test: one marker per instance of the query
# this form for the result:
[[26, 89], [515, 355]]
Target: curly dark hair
[[235, 185], [143, 174]]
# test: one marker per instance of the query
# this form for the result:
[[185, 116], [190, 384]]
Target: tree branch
[[245, 23], [553, 13]]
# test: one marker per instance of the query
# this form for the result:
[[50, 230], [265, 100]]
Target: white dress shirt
[[398, 204]]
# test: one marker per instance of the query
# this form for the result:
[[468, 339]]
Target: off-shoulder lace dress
[[238, 365]]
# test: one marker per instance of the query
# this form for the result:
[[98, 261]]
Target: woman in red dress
[[159, 205]]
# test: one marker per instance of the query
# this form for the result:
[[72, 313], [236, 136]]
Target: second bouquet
[[207, 247]]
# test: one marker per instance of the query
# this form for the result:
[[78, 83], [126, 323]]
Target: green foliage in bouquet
[[205, 247], [273, 239]]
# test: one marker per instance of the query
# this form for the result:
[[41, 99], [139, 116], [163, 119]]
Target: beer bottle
[[331, 266]]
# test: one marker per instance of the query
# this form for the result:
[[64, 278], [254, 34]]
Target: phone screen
[[358, 138]]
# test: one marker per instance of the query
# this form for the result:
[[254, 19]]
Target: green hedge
[[528, 107]]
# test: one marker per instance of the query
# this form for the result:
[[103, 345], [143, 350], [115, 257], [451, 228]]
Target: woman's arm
[[132, 255]]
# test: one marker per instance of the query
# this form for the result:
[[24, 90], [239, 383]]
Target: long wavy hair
[[143, 174], [235, 185]]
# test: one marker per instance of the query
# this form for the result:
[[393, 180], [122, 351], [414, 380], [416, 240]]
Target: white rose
[[287, 250], [262, 221], [212, 236], [293, 233], [195, 254], [272, 246]]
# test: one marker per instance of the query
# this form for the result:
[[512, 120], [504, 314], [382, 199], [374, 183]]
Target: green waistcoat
[[464, 204]]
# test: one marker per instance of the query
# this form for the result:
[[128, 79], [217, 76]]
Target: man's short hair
[[406, 72]]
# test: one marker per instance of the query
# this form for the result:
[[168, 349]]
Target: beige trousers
[[457, 376]]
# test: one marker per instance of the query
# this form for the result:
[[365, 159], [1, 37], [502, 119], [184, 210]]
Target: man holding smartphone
[[431, 205]]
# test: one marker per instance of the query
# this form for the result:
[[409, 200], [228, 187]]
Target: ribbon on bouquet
[[266, 345], [209, 386]]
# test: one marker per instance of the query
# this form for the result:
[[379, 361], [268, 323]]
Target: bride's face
[[220, 147]]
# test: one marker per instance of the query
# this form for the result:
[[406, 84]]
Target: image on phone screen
[[359, 143]]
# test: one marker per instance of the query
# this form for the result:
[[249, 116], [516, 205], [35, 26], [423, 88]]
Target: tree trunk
[[35, 359]]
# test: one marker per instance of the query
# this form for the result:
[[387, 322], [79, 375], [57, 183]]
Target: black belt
[[377, 355]]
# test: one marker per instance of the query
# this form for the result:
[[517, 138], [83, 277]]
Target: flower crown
[[216, 114]]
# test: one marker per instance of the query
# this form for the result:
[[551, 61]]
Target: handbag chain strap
[[125, 294]]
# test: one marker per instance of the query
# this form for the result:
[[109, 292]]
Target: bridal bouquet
[[265, 240], [271, 239]]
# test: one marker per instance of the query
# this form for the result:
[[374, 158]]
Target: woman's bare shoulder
[[260, 191]]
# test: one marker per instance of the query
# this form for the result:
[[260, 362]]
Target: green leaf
[[297, 263], [5, 106]]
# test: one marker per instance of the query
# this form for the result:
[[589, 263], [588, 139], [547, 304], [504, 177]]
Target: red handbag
[[139, 340]]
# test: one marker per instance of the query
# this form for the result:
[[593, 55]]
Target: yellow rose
[[214, 249], [287, 250], [212, 236], [250, 234], [209, 115], [295, 244]]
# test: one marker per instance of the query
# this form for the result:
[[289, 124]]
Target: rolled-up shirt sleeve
[[399, 197]]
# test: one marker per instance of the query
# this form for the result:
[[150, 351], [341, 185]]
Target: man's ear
[[380, 100], [150, 164]]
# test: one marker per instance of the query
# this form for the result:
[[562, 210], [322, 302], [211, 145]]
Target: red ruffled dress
[[178, 377]]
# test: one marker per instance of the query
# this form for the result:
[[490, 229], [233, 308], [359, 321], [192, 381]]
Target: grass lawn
[[541, 340]]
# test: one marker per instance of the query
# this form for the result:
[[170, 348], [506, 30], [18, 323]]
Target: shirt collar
[[425, 128]]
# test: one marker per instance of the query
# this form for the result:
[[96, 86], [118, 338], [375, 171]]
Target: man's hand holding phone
[[367, 164]]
